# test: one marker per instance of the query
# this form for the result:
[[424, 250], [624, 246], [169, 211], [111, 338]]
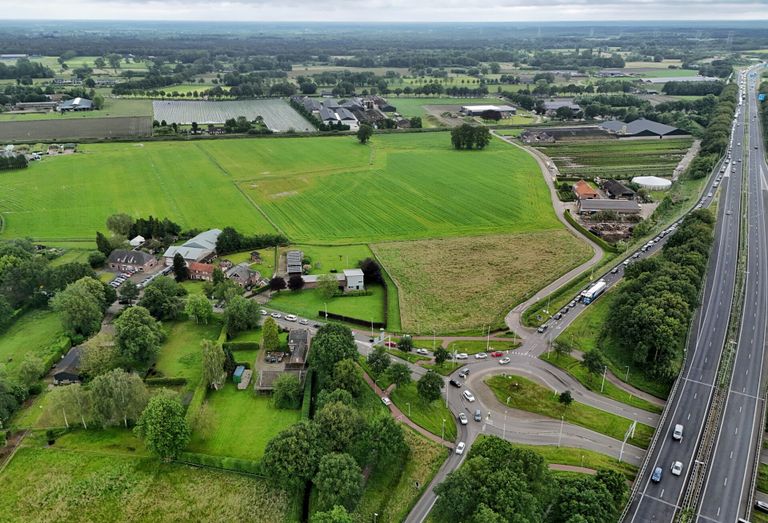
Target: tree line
[[468, 136], [231, 240]]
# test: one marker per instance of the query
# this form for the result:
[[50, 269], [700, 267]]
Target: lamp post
[[442, 434], [602, 384], [627, 377], [409, 408], [375, 517]]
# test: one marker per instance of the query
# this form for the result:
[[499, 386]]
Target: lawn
[[241, 423], [310, 302], [32, 333], [584, 335], [427, 415], [42, 484], [762, 478], [617, 158], [181, 356], [409, 107], [532, 397], [444, 369], [573, 367], [411, 357], [457, 284], [473, 347]]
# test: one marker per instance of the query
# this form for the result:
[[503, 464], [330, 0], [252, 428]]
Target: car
[[263, 312], [656, 476], [504, 360], [462, 356], [677, 468], [464, 372], [636, 255], [390, 344], [761, 506], [317, 325], [614, 270], [728, 212], [557, 315], [291, 317], [478, 415], [423, 352], [386, 401], [755, 147], [460, 447], [565, 309], [463, 418], [481, 355], [456, 383], [625, 263], [677, 434], [469, 396], [497, 354], [302, 321], [541, 329], [276, 315], [572, 304]]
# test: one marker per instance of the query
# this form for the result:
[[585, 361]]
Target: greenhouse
[[652, 183]]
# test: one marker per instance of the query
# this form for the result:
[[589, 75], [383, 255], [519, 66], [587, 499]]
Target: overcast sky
[[388, 10]]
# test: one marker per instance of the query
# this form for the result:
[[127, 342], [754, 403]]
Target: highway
[[730, 469], [690, 402]]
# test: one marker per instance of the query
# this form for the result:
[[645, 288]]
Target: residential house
[[200, 271], [354, 280], [584, 191], [243, 275], [615, 190], [132, 261], [201, 248], [298, 346], [67, 370]]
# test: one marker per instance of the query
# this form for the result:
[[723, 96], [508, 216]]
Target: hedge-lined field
[[621, 159], [33, 333]]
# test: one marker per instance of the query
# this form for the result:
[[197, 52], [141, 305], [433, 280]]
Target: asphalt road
[[690, 404], [730, 468]]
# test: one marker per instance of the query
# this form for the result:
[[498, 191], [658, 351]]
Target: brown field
[[456, 284], [64, 130]]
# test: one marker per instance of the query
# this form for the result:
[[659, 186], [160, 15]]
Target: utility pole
[[442, 433], [602, 384]]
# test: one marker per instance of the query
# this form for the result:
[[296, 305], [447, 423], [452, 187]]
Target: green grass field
[[409, 107], [473, 347], [181, 355], [532, 397], [427, 415], [617, 158], [241, 423], [309, 302], [31, 333]]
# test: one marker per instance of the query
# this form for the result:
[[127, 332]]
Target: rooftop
[[130, 257], [629, 206]]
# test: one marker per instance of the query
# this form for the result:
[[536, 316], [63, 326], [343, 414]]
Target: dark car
[[541, 329], [456, 383], [478, 415], [656, 476]]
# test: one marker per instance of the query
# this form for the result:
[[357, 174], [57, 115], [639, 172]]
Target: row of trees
[[468, 136], [231, 240]]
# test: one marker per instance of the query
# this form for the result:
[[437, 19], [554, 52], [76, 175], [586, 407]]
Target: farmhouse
[[489, 112], [641, 128], [584, 191], [617, 206], [615, 190], [200, 271], [135, 261], [368, 109], [349, 280], [298, 347], [293, 263], [243, 275], [198, 249], [76, 104], [67, 370]]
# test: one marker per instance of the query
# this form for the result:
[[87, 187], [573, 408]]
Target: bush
[[306, 404], [166, 381], [244, 466], [96, 259], [235, 346]]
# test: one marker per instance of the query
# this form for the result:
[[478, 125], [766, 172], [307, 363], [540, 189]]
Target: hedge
[[244, 466], [595, 238], [196, 402], [349, 319], [166, 381], [241, 345], [352, 294], [60, 347], [306, 404]]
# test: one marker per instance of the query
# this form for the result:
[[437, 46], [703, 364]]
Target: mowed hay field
[[456, 284]]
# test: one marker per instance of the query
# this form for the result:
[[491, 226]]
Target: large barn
[[641, 128]]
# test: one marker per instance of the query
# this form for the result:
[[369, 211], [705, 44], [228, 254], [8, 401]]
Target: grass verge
[[581, 458], [430, 416]]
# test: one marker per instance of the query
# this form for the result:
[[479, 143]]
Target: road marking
[[660, 501], [698, 383], [726, 481]]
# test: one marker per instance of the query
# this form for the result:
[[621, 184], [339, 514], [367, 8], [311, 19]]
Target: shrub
[[96, 259]]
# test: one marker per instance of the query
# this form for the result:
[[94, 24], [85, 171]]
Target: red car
[[391, 344], [497, 354]]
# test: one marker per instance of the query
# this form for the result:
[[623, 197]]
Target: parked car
[[456, 383], [656, 476], [263, 312], [481, 355], [677, 468], [497, 354], [462, 356], [291, 317], [504, 361], [390, 344], [302, 321], [469, 396], [460, 447], [423, 352], [386, 401], [276, 315], [463, 418], [478, 415]]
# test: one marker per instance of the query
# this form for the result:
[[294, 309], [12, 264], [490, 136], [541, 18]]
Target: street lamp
[[627, 378], [375, 516], [409, 408], [602, 384], [504, 433], [442, 434]]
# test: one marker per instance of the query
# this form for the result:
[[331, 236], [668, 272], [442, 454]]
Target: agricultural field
[[277, 114], [97, 127], [112, 107], [617, 158], [456, 284], [32, 333]]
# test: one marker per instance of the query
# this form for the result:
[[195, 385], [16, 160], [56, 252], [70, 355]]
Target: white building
[[354, 280], [138, 241], [200, 248], [504, 111]]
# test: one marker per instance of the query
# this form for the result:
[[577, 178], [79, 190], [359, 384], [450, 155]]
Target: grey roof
[[241, 272], [616, 188], [298, 339], [638, 126], [130, 257], [204, 240], [311, 105], [76, 103], [609, 205], [69, 364], [554, 105], [345, 114], [293, 261], [188, 253], [327, 114], [331, 103]]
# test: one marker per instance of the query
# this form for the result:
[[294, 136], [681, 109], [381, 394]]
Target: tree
[[441, 354], [562, 348], [371, 270], [163, 298], [163, 427], [416, 122], [129, 291], [6, 312], [30, 370], [138, 335], [73, 402], [287, 392], [615, 483], [364, 133], [406, 343], [328, 286], [213, 364], [277, 284], [593, 362], [103, 244], [81, 305], [118, 397], [340, 426], [337, 514], [565, 398], [96, 259], [347, 376], [384, 441], [295, 282], [331, 344], [400, 374], [180, 269], [98, 355], [339, 481], [114, 60], [326, 397], [291, 457], [378, 360], [270, 337], [99, 62], [240, 315], [586, 497], [9, 400], [429, 386], [120, 224], [200, 308]]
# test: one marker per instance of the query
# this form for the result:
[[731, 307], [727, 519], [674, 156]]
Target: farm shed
[[652, 183], [584, 191], [503, 111], [136, 261], [76, 104], [551, 107], [67, 370], [641, 128], [615, 189], [197, 249], [293, 261], [618, 206]]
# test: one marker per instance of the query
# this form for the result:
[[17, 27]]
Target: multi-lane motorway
[[690, 403]]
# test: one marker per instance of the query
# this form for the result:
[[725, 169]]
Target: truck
[[593, 292]]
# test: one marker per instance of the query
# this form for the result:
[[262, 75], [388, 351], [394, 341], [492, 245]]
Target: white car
[[386, 401], [423, 352], [263, 312], [463, 418], [276, 315], [462, 356], [291, 317], [504, 361], [460, 447], [469, 396], [302, 321], [481, 355], [677, 468]]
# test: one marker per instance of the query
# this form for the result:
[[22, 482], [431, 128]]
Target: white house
[[354, 280]]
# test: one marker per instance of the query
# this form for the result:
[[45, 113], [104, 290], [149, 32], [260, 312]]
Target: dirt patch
[[281, 194]]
